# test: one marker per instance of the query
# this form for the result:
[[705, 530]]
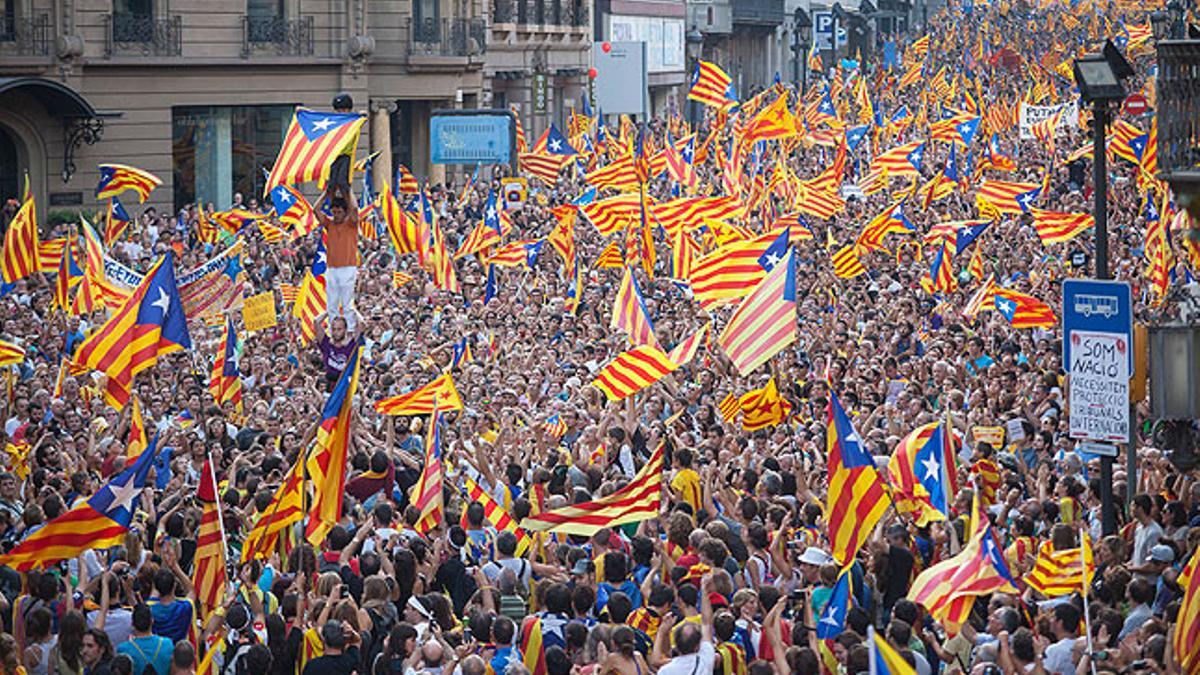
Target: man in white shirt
[[1059, 658], [693, 643], [1148, 530]]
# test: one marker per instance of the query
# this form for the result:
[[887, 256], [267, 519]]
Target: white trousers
[[339, 293]]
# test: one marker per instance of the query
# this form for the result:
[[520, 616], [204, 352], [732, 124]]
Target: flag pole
[[220, 523], [1087, 615]]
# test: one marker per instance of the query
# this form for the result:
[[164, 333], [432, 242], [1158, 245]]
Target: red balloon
[[606, 47], [592, 73]]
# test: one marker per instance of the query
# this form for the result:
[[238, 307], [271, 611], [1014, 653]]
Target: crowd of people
[[736, 572]]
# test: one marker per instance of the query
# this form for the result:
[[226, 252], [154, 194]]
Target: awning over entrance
[[59, 99], [82, 123]]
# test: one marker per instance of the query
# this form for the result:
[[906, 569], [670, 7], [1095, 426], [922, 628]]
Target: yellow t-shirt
[[686, 484]]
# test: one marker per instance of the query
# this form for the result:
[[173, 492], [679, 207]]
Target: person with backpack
[[150, 653]]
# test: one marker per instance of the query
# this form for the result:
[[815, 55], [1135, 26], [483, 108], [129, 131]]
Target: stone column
[[381, 141]]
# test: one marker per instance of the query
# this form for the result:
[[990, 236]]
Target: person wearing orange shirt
[[341, 247]]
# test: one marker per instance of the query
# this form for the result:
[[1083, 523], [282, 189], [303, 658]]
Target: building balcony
[[758, 12], [25, 37], [569, 13], [447, 37], [142, 34], [277, 36]]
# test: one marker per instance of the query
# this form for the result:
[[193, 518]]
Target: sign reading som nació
[[1099, 398]]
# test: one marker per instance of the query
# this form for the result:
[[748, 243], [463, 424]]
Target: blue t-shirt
[[504, 657], [151, 650], [172, 619]]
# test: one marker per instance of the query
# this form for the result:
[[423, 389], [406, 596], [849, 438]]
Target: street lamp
[[694, 42], [801, 40], [1099, 78]]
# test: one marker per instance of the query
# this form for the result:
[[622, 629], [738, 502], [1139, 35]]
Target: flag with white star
[[314, 139], [150, 324], [99, 522]]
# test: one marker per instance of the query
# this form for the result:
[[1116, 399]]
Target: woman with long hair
[[66, 658], [398, 646], [624, 659], [10, 660]]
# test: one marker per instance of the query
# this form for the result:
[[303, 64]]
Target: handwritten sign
[[258, 312], [1099, 386], [993, 436]]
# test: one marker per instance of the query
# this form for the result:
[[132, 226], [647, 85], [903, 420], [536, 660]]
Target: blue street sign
[[1095, 306]]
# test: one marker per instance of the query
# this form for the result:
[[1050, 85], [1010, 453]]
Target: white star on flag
[[932, 468], [324, 124], [123, 495], [163, 302], [555, 145]]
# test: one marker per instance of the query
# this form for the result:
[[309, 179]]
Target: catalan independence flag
[[117, 178], [712, 86], [426, 494], [209, 575], [150, 324], [1009, 197], [1023, 310], [629, 313], [286, 508], [311, 298], [949, 588], [1187, 630], [226, 382], [421, 401], [857, 498], [291, 208], [314, 139], [19, 258], [639, 500], [116, 221], [901, 161], [884, 658], [326, 464], [765, 322], [730, 272], [99, 522]]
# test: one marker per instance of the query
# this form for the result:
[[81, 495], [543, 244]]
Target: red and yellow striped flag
[[426, 495], [765, 323], [1055, 228], [314, 139], [495, 514], [1187, 628], [400, 278], [19, 258], [286, 508], [421, 402], [326, 464], [611, 257], [209, 575], [730, 406], [10, 354], [762, 408], [1061, 572], [629, 313], [730, 272], [846, 264], [633, 371], [117, 178], [640, 500]]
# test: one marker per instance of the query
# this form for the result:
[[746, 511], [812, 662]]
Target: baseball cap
[[1161, 553]]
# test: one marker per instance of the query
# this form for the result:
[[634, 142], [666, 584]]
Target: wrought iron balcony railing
[[758, 12], [541, 12], [447, 37], [275, 34], [25, 37], [143, 34], [1178, 90]]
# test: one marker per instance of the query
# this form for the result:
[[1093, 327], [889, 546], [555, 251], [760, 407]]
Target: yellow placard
[[993, 436], [258, 312]]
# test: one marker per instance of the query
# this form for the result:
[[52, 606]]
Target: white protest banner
[[1099, 384], [1028, 115]]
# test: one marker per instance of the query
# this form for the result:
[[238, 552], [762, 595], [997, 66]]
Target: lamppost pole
[[1108, 509], [1099, 78]]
